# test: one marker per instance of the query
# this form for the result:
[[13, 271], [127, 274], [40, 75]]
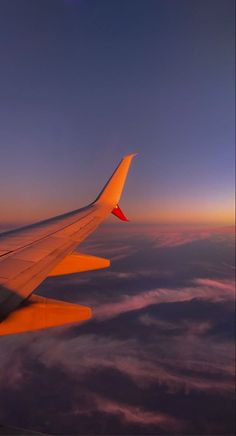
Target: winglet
[[118, 212], [112, 191]]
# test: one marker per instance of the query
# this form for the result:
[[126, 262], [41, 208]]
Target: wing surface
[[28, 255]]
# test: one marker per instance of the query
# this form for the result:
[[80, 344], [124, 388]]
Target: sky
[[84, 82]]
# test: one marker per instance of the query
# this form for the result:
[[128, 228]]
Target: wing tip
[[130, 156], [112, 190]]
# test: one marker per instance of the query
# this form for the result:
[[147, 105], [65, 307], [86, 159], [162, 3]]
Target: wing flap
[[76, 263], [42, 313]]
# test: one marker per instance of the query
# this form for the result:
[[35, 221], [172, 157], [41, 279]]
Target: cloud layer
[[162, 336]]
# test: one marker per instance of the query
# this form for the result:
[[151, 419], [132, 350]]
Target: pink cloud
[[206, 289], [174, 366], [13, 374], [191, 327], [190, 363], [226, 285], [162, 236], [171, 366], [137, 415]]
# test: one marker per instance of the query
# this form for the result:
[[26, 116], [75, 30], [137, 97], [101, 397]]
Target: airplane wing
[[30, 254]]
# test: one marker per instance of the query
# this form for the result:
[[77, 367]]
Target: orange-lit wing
[[41, 313], [29, 255], [76, 263]]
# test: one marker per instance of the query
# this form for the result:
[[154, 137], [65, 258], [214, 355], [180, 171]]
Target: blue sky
[[85, 82]]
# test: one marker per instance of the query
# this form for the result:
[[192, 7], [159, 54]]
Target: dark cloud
[[157, 357]]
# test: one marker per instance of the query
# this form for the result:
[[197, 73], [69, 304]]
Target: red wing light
[[118, 212]]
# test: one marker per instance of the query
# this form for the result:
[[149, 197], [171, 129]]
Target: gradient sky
[[84, 82]]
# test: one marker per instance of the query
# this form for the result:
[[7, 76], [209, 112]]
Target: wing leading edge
[[30, 254]]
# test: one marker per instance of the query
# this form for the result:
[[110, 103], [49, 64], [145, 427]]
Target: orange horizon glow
[[191, 217], [168, 225], [16, 214]]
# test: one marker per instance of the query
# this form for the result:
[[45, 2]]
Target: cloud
[[225, 285], [190, 364], [190, 327], [144, 363], [13, 374], [210, 289], [137, 415], [153, 341], [174, 239], [129, 237]]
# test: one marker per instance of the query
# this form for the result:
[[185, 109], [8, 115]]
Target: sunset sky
[[84, 82]]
